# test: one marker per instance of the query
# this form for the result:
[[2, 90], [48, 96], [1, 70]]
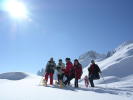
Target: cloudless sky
[[62, 28]]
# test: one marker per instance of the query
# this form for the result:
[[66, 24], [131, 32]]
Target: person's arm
[[46, 67], [89, 70], [57, 66], [63, 66], [81, 69], [54, 66]]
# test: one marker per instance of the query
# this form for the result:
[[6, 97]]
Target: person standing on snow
[[60, 73], [49, 71], [68, 69], [77, 71], [94, 71]]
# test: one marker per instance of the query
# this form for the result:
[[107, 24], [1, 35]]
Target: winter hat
[[92, 61], [68, 59], [76, 60], [51, 59], [60, 59]]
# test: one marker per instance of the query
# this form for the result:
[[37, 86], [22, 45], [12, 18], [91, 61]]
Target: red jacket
[[68, 69], [78, 71]]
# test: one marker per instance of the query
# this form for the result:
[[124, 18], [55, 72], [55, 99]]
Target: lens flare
[[16, 9]]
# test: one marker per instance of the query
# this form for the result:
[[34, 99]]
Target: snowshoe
[[56, 83], [44, 82], [59, 84]]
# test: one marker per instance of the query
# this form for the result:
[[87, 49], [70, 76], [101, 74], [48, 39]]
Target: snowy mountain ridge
[[85, 58], [124, 44]]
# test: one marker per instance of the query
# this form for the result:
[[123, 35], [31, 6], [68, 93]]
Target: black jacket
[[50, 67], [94, 70]]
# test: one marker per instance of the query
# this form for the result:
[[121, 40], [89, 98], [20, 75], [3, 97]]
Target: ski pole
[[102, 77], [103, 80], [42, 78]]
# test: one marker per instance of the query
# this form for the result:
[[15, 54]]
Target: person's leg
[[46, 76], [60, 81], [76, 83], [70, 78], [51, 78], [86, 83], [91, 81], [61, 77], [66, 81], [58, 78]]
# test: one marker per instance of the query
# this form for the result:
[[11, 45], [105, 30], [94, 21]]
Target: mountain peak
[[90, 54], [124, 44], [85, 58]]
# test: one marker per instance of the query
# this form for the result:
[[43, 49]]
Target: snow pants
[[60, 77], [69, 78], [91, 78], [51, 77]]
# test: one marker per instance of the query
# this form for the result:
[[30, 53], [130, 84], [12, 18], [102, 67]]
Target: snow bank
[[13, 75]]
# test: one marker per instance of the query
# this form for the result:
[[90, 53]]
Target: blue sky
[[62, 28]]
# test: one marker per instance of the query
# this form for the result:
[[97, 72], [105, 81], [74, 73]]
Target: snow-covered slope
[[29, 89], [85, 58], [121, 63], [118, 66]]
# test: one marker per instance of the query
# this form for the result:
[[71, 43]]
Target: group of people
[[70, 71]]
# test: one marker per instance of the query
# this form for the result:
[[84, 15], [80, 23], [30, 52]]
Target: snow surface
[[29, 89]]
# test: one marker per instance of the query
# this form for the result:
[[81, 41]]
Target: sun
[[16, 9]]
